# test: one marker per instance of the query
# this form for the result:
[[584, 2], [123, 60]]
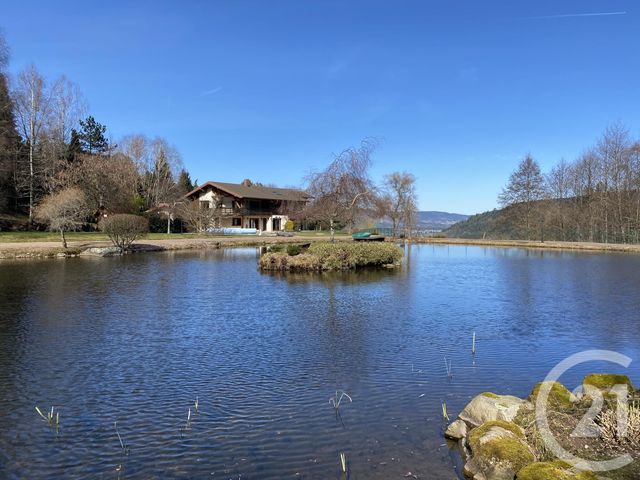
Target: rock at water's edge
[[101, 251], [487, 407], [456, 431]]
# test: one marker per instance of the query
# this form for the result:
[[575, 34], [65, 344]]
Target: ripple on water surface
[[136, 339]]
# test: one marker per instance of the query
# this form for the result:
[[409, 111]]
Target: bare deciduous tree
[[67, 108], [159, 165], [4, 53], [525, 187], [108, 181], [399, 201], [196, 217], [63, 211], [33, 103], [342, 191]]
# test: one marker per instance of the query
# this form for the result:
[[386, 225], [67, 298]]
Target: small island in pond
[[327, 256]]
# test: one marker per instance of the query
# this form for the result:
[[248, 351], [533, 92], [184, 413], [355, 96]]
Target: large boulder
[[488, 407], [101, 252], [498, 450], [557, 470]]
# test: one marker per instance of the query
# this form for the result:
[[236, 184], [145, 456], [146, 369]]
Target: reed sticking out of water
[[473, 343], [445, 415], [125, 450], [53, 419], [343, 462], [447, 366], [336, 399]]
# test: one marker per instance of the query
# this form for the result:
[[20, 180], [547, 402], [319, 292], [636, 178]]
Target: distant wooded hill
[[495, 224], [432, 220]]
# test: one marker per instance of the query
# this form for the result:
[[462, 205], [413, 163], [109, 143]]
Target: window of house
[[205, 204], [236, 222]]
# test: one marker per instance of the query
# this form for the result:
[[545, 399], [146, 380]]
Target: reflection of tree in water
[[18, 281], [332, 279], [336, 319]]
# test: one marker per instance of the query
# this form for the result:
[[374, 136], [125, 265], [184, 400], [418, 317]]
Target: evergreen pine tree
[[185, 185], [9, 146], [92, 137], [75, 147]]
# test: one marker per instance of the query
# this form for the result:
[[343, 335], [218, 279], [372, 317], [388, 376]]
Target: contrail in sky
[[211, 92], [569, 15]]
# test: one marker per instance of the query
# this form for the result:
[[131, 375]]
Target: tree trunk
[[32, 129], [64, 240]]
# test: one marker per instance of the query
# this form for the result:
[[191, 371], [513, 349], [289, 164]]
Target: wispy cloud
[[572, 15], [342, 63], [213, 91]]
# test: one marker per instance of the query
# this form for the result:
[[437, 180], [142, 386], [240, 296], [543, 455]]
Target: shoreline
[[40, 250], [532, 244]]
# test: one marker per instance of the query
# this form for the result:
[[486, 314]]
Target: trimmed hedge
[[325, 256]]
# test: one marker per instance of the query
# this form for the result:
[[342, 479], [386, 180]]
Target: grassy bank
[[326, 256], [31, 236], [551, 245], [41, 246]]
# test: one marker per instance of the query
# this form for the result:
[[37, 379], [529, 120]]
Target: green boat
[[369, 235]]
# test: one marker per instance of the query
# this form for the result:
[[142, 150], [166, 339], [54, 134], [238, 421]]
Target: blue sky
[[459, 91]]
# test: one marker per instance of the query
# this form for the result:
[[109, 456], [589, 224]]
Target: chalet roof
[[254, 191]]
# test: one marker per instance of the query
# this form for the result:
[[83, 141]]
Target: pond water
[[136, 339]]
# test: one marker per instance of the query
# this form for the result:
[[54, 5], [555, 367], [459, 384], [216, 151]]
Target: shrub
[[289, 226], [123, 229], [293, 250], [346, 255], [63, 211]]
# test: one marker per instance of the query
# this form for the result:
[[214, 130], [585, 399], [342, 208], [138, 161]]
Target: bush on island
[[334, 256]]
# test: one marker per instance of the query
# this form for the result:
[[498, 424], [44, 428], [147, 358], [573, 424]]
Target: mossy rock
[[490, 395], [606, 381], [477, 433], [559, 395], [499, 446], [557, 470]]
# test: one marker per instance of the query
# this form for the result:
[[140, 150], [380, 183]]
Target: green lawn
[[322, 233], [31, 236]]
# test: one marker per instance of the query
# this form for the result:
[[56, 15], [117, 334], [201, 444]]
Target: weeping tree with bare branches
[[343, 191]]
